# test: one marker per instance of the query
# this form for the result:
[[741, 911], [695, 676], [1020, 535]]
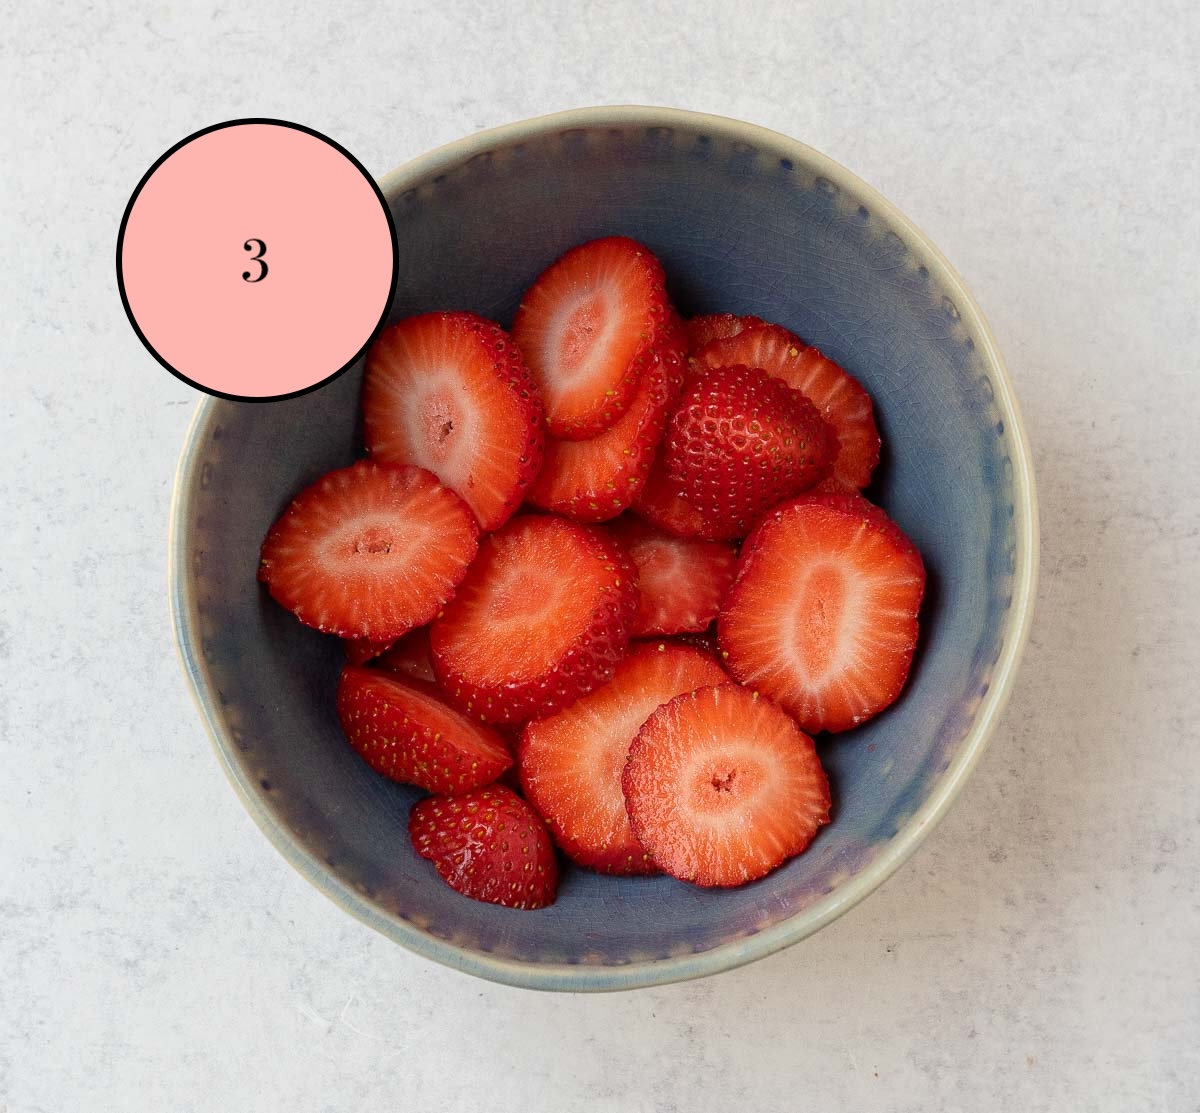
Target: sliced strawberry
[[369, 551], [488, 845], [739, 441], [588, 327], [839, 397], [361, 650], [594, 480], [822, 616], [410, 656], [721, 787], [716, 326], [571, 763], [541, 618], [681, 581], [404, 729], [660, 503], [450, 392]]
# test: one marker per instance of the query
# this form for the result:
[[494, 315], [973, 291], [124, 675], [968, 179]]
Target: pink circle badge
[[257, 259]]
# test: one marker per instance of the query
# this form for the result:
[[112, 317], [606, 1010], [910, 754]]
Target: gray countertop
[[1042, 949]]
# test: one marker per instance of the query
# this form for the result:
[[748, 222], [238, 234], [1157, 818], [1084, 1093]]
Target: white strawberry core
[[828, 603], [442, 428], [581, 334]]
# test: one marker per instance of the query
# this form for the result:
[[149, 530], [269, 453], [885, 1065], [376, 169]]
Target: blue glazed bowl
[[744, 220]]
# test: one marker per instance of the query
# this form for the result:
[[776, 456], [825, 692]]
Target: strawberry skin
[[450, 392], [681, 581], [721, 787], [588, 328], [838, 396], [404, 729], [716, 326], [541, 618], [822, 615], [738, 442], [488, 845], [571, 763], [369, 551], [596, 479]]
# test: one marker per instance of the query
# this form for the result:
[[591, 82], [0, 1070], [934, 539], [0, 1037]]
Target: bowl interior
[[742, 221]]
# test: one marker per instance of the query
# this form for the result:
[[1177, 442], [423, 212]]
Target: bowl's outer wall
[[738, 228]]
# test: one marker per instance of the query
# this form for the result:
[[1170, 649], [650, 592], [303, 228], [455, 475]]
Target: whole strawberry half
[[839, 397], [738, 442], [488, 845]]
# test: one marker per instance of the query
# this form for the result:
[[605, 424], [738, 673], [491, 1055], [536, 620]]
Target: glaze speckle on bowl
[[745, 221]]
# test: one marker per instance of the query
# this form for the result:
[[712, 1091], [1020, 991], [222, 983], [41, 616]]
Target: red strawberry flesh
[[369, 551], [587, 327], [822, 616], [542, 618], [721, 787], [449, 392], [594, 480], [571, 762], [409, 656], [681, 581], [716, 326], [404, 729]]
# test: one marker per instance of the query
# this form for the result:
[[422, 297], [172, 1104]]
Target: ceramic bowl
[[744, 220]]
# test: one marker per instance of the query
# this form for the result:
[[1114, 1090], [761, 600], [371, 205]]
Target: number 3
[[262, 250]]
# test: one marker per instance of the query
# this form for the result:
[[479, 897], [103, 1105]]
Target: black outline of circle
[[387, 212]]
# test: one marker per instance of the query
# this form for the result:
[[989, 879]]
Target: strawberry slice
[[369, 551], [488, 845], [681, 581], [409, 657], [571, 763], [588, 327], [594, 480], [839, 397], [739, 441], [822, 615], [541, 618], [721, 787], [449, 392], [404, 729], [361, 650], [716, 326]]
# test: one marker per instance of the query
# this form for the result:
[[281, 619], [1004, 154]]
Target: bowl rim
[[738, 952]]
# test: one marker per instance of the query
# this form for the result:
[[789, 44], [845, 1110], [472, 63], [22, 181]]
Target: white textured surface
[[1041, 952]]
